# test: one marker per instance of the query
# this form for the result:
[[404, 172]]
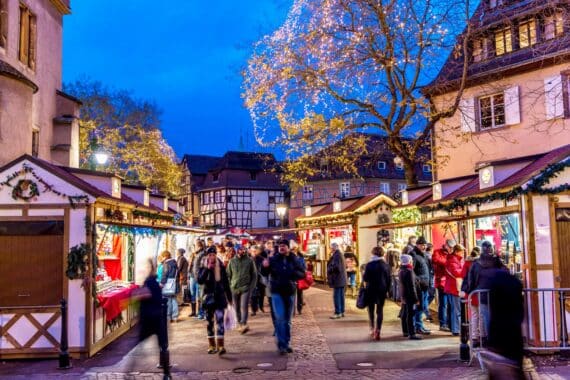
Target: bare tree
[[340, 66]]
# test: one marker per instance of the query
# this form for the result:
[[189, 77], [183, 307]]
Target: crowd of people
[[217, 275]]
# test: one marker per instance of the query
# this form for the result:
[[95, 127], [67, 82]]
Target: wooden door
[[31, 263], [563, 228]]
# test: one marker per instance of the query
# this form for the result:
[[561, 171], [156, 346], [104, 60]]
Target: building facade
[[239, 189], [36, 118], [379, 172]]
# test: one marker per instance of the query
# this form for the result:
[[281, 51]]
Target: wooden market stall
[[82, 236]]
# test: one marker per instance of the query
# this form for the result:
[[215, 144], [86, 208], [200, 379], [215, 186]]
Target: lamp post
[[281, 209]]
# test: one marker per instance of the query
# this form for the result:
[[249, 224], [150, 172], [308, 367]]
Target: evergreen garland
[[535, 186], [77, 261], [151, 215]]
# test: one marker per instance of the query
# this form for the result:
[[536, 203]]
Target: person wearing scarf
[[215, 299]]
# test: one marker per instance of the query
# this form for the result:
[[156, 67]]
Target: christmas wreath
[[25, 190]]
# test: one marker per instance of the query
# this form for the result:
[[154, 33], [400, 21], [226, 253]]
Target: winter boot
[[221, 349], [376, 334], [212, 345], [193, 305]]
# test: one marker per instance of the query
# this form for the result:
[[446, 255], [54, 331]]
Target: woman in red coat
[[453, 279]]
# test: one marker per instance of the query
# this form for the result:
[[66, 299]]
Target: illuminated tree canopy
[[341, 66]]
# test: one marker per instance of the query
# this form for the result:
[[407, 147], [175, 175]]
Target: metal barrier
[[545, 326]]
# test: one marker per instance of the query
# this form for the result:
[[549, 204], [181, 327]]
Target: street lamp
[[101, 157], [281, 209]]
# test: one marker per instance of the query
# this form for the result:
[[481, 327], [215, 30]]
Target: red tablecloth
[[114, 301]]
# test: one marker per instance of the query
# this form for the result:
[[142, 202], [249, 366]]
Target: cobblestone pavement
[[321, 347]]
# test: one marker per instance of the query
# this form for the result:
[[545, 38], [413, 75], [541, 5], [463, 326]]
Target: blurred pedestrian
[[453, 281], [283, 269], [336, 278], [242, 275], [198, 258], [216, 287], [299, 296], [410, 297], [258, 294], [376, 280]]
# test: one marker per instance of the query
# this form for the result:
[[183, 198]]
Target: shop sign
[[563, 214], [459, 211]]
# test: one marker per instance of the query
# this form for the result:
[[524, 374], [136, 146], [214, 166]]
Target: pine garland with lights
[[151, 215], [17, 193], [535, 186]]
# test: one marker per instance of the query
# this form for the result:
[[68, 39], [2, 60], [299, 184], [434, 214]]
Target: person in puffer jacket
[[453, 270]]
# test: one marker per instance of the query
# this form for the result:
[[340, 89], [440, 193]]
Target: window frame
[[557, 22], [507, 36], [399, 166], [493, 111], [530, 33], [383, 164], [215, 177], [27, 36], [35, 142], [252, 176], [307, 191], [385, 187]]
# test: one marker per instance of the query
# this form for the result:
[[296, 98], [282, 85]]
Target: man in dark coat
[[377, 280], [182, 265], [410, 299], [336, 278], [284, 270], [421, 270]]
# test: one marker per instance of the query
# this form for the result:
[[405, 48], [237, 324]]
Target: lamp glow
[[101, 158]]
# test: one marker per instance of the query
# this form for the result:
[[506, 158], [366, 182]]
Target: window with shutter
[[492, 111], [553, 97], [553, 26], [27, 43]]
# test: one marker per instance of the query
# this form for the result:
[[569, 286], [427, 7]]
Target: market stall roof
[[519, 178], [391, 226]]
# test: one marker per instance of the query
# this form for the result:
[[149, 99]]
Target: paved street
[[324, 348]]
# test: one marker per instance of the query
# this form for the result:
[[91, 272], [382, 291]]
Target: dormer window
[[215, 177], [553, 26], [503, 41], [495, 3], [381, 165], [527, 34], [427, 168], [399, 166], [480, 49]]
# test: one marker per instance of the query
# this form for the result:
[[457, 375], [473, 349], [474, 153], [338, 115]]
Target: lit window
[[308, 193], [503, 41], [381, 165], [27, 43], [385, 188], [480, 50], [527, 34], [491, 111], [553, 26], [218, 197], [344, 189]]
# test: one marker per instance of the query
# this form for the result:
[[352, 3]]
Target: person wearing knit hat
[[409, 297]]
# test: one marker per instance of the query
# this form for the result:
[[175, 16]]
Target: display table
[[115, 300]]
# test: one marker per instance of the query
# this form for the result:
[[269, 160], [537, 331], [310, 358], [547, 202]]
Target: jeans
[[283, 310], [379, 306], [241, 304], [484, 315], [172, 310], [193, 287], [258, 297], [421, 310], [216, 315], [338, 298], [442, 308], [407, 317], [455, 303], [395, 291]]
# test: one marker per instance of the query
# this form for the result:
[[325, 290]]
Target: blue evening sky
[[185, 55]]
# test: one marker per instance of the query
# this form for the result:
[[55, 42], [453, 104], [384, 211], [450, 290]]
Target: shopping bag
[[230, 318], [169, 289], [362, 299]]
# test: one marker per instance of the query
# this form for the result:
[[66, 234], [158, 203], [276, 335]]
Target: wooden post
[[64, 362]]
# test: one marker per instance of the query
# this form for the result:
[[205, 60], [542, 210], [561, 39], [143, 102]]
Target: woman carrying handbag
[[376, 281]]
